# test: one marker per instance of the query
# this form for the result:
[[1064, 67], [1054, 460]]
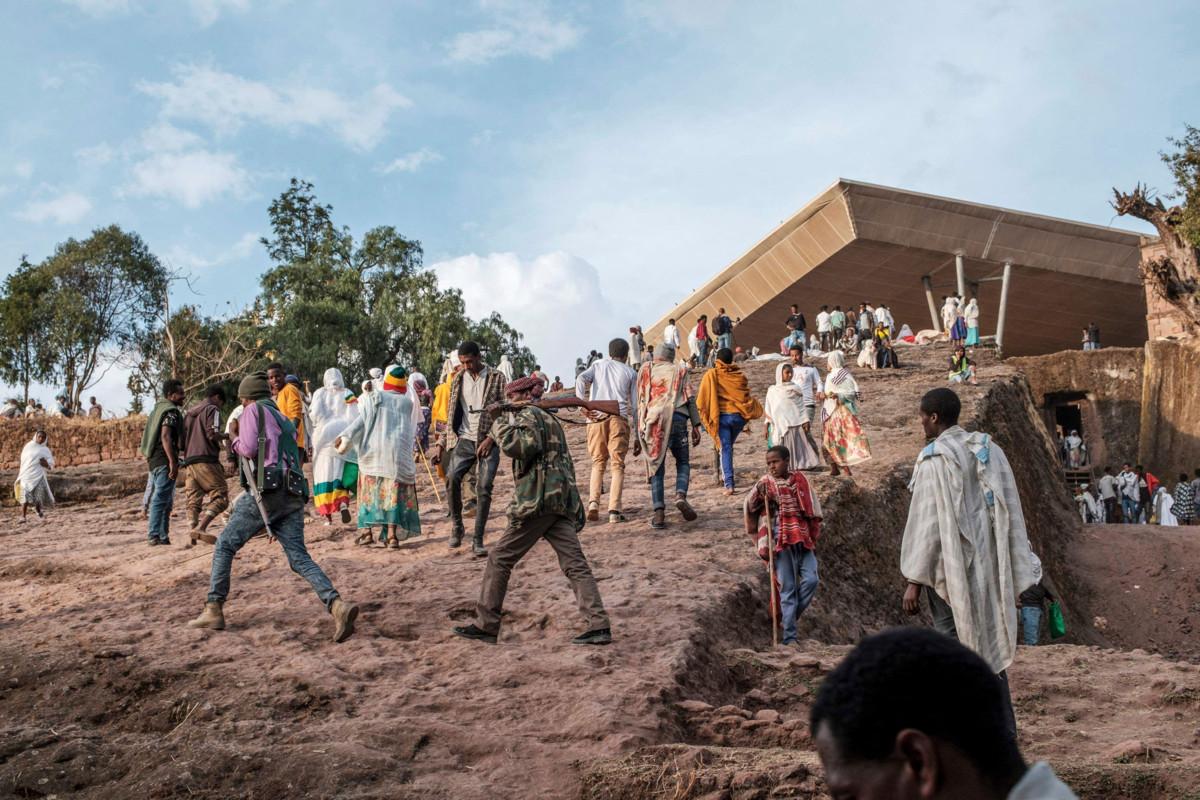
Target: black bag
[[275, 477]]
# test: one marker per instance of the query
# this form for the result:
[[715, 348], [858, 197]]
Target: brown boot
[[659, 520], [344, 615], [685, 508], [212, 618]]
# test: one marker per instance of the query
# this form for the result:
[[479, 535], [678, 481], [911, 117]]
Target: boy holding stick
[[783, 516]]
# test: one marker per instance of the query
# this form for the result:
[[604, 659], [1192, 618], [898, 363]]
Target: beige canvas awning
[[858, 242]]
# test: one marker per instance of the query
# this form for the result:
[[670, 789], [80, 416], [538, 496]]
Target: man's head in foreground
[[911, 713], [939, 410]]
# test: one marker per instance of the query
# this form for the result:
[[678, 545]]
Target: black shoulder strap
[[262, 447]]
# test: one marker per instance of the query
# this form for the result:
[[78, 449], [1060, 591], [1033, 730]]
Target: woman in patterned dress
[[845, 442]]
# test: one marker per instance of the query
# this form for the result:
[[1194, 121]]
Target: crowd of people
[[61, 407], [1136, 496]]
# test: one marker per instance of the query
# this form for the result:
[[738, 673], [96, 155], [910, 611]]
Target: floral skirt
[[844, 438], [383, 501]]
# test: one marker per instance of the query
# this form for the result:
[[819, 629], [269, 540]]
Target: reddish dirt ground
[[104, 692]]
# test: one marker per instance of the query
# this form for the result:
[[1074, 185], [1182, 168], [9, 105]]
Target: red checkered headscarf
[[526, 384]]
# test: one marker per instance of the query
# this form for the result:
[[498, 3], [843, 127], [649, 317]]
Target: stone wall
[[74, 442], [1111, 380], [1170, 421]]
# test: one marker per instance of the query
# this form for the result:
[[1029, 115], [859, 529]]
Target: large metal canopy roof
[[861, 242]]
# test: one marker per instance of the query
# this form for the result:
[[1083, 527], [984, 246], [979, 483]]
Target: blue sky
[[577, 166]]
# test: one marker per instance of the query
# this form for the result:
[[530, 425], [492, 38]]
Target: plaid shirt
[[493, 392]]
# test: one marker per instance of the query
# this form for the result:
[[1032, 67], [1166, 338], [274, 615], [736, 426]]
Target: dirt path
[[104, 692]]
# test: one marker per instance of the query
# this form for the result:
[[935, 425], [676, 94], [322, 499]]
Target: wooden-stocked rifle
[[554, 402]]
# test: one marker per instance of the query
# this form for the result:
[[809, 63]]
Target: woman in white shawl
[[1164, 505], [33, 488], [784, 409], [845, 442], [971, 314], [505, 368], [383, 435], [331, 493]]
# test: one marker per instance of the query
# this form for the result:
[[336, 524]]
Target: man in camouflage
[[545, 505]]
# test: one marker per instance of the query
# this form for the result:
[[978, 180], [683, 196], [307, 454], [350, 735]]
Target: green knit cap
[[254, 386]]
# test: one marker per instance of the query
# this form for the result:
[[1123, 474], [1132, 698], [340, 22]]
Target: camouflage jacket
[[543, 472]]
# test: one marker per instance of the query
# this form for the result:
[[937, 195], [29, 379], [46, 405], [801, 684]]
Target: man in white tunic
[[965, 543]]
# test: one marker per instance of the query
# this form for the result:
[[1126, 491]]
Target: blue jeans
[[677, 443], [796, 569], [245, 521], [1031, 624], [1129, 509], [162, 500], [725, 340], [795, 338], [730, 426], [702, 351]]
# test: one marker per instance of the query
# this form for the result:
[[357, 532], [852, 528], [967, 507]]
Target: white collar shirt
[[609, 379]]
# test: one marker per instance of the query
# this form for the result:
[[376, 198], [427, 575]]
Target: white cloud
[[182, 256], [412, 162], [101, 8], [209, 11], [192, 178], [23, 169], [518, 28], [95, 156], [536, 297], [65, 209], [166, 138], [225, 102]]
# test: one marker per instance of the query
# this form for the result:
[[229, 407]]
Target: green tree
[[25, 355], [330, 301], [1175, 275], [105, 293], [496, 337]]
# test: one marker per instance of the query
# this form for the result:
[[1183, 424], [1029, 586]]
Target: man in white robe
[[965, 542]]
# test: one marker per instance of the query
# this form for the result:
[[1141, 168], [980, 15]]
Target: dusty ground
[[104, 692]]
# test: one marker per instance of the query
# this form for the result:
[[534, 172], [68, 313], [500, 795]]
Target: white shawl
[[839, 383], [32, 473], [328, 410], [972, 313], [384, 434], [505, 368], [966, 539], [784, 405]]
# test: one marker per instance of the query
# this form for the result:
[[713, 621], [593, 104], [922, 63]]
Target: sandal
[[365, 538]]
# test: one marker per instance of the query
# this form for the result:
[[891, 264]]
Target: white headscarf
[[328, 410], [32, 472], [785, 402]]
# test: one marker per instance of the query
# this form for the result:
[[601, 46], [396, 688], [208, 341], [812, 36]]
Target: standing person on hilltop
[[972, 317], [637, 345], [1127, 484], [275, 453], [202, 438], [723, 329], [965, 544], [1185, 500], [541, 376], [782, 513], [557, 385], [837, 324], [883, 315], [1093, 336], [726, 405], [471, 391], [33, 487], [845, 443], [288, 399], [383, 435], [330, 494], [671, 335], [608, 437], [698, 341], [808, 378], [545, 505], [796, 327], [786, 418], [95, 411], [665, 406], [160, 447], [825, 329], [1108, 495], [866, 322]]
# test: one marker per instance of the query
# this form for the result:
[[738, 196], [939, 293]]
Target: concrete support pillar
[[960, 273], [933, 309], [1004, 281]]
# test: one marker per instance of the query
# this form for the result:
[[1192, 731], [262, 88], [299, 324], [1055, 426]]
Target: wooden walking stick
[[771, 573], [429, 472]]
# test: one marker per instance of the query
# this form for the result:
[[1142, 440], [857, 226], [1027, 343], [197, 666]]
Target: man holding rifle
[[265, 443], [545, 504]]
